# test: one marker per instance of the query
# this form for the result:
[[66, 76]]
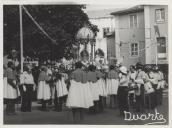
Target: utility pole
[[21, 37]]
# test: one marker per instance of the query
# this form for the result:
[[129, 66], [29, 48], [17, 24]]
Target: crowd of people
[[84, 87]]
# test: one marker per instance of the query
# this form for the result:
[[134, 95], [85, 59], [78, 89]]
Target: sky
[[101, 7]]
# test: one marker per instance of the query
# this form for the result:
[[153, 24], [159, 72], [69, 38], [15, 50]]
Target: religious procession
[[75, 66], [84, 86]]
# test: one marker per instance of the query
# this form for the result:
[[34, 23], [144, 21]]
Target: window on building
[[160, 15], [161, 44], [105, 31], [134, 49], [133, 21]]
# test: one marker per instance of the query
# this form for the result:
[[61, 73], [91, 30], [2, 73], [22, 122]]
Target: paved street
[[108, 117]]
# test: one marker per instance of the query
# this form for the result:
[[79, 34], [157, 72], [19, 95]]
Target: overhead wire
[[39, 26]]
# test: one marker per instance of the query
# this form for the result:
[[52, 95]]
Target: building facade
[[141, 34], [156, 34], [104, 39]]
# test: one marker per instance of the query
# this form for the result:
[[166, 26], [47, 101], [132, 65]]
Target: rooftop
[[105, 13], [138, 8]]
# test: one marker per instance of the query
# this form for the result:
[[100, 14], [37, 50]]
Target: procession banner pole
[[21, 37]]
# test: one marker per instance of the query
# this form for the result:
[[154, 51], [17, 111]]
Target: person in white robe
[[79, 96], [44, 92]]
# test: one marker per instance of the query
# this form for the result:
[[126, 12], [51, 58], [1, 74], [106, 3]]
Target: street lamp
[[84, 36]]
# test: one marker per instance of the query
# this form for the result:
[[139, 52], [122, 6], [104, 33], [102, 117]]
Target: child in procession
[[28, 86], [60, 89]]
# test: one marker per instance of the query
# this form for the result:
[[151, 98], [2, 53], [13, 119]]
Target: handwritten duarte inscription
[[155, 118]]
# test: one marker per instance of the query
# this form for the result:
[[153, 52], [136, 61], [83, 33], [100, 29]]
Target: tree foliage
[[61, 22]]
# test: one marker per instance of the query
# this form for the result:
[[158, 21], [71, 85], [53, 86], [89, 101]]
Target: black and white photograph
[[85, 64]]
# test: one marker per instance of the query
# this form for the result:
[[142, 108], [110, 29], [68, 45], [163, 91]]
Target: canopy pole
[[21, 37], [156, 62]]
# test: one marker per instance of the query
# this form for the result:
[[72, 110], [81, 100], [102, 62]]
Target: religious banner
[[161, 47]]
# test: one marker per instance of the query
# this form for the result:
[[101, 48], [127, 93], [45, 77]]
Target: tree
[[61, 22]]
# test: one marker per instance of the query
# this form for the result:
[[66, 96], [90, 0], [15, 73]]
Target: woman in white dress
[[102, 88], [79, 96], [60, 89], [44, 92], [11, 91], [112, 82], [64, 79], [160, 87], [94, 87]]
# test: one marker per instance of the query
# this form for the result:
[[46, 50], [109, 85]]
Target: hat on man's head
[[43, 68], [55, 67], [155, 68], [147, 68], [98, 67], [25, 68], [139, 66], [123, 70]]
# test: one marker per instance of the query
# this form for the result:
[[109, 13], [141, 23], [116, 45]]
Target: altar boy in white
[[79, 96], [44, 92], [112, 82]]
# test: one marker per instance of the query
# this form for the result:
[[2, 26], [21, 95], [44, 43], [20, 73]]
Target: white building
[[106, 24], [141, 34]]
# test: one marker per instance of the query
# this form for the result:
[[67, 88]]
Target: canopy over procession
[[84, 86]]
